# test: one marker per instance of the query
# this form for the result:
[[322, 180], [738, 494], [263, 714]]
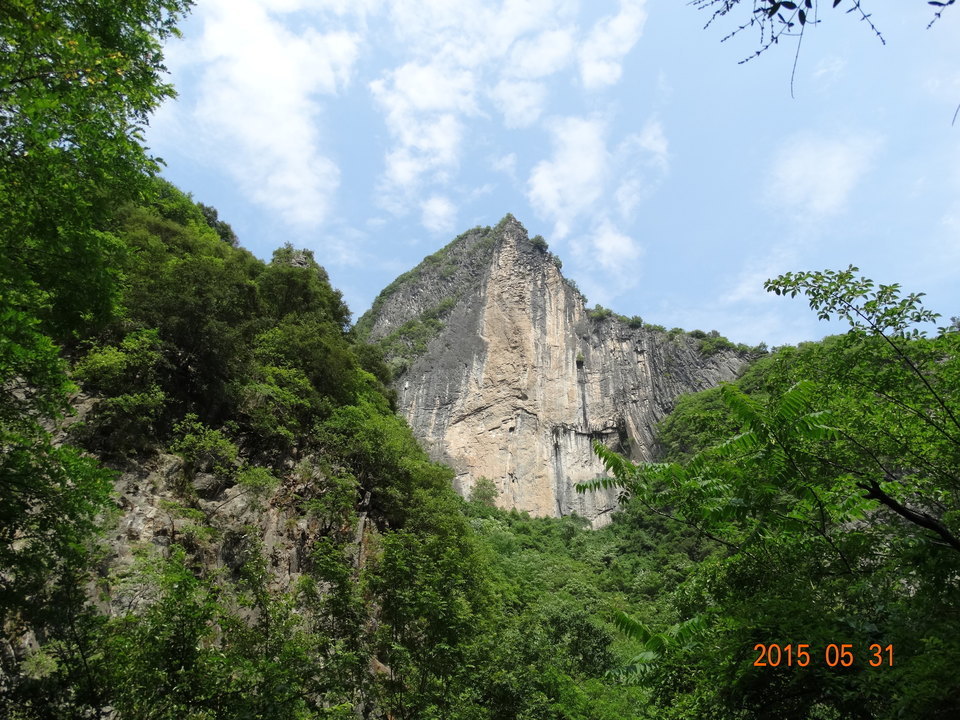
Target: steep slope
[[504, 374]]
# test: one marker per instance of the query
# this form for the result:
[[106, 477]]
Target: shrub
[[712, 345], [599, 313], [484, 492], [203, 448], [127, 376], [257, 480]]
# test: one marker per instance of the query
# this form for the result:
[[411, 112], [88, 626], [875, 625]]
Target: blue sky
[[670, 180]]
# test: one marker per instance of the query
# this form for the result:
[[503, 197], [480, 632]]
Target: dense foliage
[[76, 84], [828, 475], [246, 372]]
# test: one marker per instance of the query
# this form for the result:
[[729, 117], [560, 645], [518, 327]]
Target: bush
[[599, 313], [204, 449], [484, 492], [274, 404], [127, 376], [712, 345], [257, 480]]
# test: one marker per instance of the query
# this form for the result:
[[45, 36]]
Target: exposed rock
[[222, 526], [503, 374], [208, 485]]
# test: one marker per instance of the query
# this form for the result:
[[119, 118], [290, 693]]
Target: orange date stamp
[[834, 655]]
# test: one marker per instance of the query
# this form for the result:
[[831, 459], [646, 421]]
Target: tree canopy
[[827, 475], [77, 82]]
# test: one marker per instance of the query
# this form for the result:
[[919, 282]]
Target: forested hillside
[[243, 373], [209, 507]]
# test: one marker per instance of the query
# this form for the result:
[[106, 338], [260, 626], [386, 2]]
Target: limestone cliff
[[503, 373]]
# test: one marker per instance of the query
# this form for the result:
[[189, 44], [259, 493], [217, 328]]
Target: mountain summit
[[503, 372]]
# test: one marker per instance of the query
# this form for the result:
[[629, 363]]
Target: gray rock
[[208, 485], [504, 375]]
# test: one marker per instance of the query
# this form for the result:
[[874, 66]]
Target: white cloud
[[631, 191], [653, 141], [425, 145], [643, 159], [521, 102], [607, 261], [815, 176], [829, 70], [602, 53], [615, 252], [748, 285], [943, 85], [424, 88], [507, 164], [471, 33], [571, 182], [268, 70], [423, 103], [482, 191], [453, 55], [547, 53], [438, 214], [257, 106], [456, 55]]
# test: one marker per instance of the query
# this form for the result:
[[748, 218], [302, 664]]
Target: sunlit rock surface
[[504, 375]]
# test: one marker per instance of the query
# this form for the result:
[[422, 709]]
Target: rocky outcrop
[[504, 374]]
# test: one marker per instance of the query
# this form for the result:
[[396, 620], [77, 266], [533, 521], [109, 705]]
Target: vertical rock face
[[502, 373]]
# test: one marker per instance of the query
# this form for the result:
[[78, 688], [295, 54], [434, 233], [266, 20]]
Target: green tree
[[223, 228], [128, 378], [484, 492], [836, 505], [77, 82]]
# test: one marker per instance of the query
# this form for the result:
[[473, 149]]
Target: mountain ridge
[[503, 373]]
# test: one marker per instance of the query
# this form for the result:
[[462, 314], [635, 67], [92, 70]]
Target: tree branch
[[924, 520]]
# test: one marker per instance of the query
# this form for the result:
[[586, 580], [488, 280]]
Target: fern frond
[[745, 409], [636, 671], [633, 629], [614, 462], [601, 483], [742, 444], [794, 401], [689, 631], [814, 426]]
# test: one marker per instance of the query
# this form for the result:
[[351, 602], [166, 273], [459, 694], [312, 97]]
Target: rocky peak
[[504, 374]]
